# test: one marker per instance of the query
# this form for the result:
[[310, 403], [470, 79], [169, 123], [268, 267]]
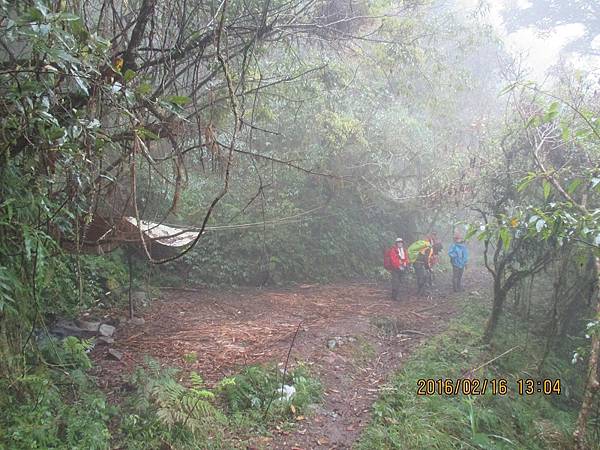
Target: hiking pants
[[397, 277], [421, 276], [457, 273]]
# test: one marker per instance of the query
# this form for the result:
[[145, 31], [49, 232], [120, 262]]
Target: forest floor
[[352, 336]]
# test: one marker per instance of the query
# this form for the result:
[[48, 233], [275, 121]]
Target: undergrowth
[[402, 419], [54, 405], [57, 405], [256, 401]]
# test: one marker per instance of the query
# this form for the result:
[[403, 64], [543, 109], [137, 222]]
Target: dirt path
[[227, 330]]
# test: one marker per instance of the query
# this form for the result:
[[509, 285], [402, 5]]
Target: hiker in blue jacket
[[459, 256]]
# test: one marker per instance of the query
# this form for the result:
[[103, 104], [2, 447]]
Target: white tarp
[[163, 234]]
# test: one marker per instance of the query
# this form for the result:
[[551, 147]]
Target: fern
[[196, 380], [257, 388], [7, 290], [175, 406], [69, 354]]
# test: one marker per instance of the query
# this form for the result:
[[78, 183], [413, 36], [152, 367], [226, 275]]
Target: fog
[[299, 224]]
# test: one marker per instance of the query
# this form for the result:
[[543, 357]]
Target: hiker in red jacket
[[396, 261]]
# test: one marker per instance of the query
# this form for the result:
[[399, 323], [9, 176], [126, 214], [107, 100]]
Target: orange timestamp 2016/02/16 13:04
[[494, 386]]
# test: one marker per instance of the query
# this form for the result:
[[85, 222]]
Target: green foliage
[[103, 278], [71, 352], [190, 357], [57, 405], [48, 142], [69, 109], [402, 419], [186, 414], [256, 391], [389, 153], [340, 241], [340, 132], [162, 410]]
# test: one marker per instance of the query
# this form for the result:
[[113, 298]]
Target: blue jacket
[[459, 255]]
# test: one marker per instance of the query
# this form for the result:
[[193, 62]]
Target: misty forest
[[299, 224]]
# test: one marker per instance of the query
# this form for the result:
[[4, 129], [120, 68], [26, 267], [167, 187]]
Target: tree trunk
[[5, 353], [500, 293], [558, 295], [593, 383]]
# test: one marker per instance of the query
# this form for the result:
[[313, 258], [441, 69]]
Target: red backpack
[[387, 259]]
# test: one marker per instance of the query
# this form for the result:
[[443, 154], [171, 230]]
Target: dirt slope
[[371, 336]]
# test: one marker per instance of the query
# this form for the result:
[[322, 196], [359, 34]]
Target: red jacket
[[392, 260]]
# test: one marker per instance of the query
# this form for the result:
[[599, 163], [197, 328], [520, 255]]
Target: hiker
[[459, 255], [432, 238], [434, 256], [423, 255], [396, 261]]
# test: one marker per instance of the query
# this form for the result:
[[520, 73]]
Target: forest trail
[[372, 335]]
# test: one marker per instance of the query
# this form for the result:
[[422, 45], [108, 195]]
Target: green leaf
[[552, 112], [526, 181], [582, 133], [507, 89], [129, 75], [55, 133], [180, 100], [533, 122], [505, 237], [130, 97], [547, 189], [68, 17], [172, 107], [574, 185], [471, 231], [147, 134], [144, 89], [485, 235], [7, 289], [82, 85]]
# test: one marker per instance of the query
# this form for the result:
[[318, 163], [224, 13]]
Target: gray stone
[[106, 330], [63, 328], [115, 354], [88, 326], [137, 321], [60, 332], [67, 325], [105, 340]]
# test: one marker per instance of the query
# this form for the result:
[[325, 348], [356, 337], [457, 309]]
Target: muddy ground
[[372, 336]]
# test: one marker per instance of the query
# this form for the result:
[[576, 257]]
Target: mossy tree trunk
[[593, 383]]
